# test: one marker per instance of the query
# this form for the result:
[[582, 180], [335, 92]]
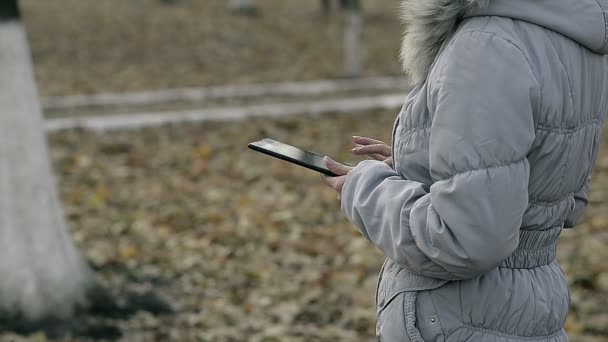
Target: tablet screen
[[292, 154]]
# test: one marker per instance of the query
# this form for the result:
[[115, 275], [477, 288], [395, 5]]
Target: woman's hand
[[374, 148], [339, 169]]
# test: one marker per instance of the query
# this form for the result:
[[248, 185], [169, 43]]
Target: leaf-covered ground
[[90, 46], [246, 248]]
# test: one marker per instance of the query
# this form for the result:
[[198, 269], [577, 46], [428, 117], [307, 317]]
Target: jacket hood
[[429, 22]]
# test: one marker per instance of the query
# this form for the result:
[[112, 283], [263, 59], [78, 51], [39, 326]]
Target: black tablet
[[291, 154]]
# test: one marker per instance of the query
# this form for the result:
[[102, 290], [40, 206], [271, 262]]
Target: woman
[[492, 155]]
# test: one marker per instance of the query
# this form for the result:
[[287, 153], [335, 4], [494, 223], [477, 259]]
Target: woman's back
[[572, 105]]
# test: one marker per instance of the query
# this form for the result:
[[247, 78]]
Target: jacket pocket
[[397, 317], [404, 314], [428, 320]]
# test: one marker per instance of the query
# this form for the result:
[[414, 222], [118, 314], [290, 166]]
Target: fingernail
[[355, 136]]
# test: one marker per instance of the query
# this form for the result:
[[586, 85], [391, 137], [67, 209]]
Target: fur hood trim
[[427, 24]]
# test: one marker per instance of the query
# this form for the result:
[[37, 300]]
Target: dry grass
[[88, 46]]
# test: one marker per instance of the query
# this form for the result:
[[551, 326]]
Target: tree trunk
[[352, 39], [242, 6], [346, 4], [325, 6], [42, 276]]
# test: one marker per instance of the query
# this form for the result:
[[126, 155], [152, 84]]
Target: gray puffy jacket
[[493, 152]]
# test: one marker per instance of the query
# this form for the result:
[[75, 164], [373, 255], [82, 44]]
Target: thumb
[[335, 167]]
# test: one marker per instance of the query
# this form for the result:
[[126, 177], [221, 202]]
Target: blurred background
[[148, 107]]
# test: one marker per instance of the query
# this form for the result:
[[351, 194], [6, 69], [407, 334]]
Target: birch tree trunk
[[41, 273]]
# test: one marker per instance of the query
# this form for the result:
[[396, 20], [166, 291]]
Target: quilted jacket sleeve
[[482, 94]]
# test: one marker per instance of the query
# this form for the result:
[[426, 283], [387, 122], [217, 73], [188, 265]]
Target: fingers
[[330, 181], [335, 167], [366, 141], [377, 149], [335, 182], [389, 162], [378, 157]]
